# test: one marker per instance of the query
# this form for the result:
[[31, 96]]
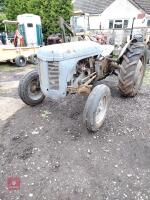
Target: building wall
[[94, 22], [119, 9], [125, 11]]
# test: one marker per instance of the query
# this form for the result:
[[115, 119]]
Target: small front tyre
[[96, 107], [29, 89]]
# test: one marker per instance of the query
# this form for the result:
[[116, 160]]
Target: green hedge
[[49, 10]]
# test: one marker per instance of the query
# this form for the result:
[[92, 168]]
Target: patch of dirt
[[55, 157], [10, 103]]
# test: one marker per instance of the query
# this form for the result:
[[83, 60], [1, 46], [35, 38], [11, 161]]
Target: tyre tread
[[129, 64], [22, 89]]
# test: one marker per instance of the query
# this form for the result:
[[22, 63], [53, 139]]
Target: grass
[[12, 67], [7, 68], [146, 80]]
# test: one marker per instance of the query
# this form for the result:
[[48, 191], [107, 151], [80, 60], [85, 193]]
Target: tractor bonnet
[[71, 50]]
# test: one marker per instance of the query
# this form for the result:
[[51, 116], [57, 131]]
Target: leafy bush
[[49, 11]]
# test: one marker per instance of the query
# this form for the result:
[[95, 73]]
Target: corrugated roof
[[98, 6]]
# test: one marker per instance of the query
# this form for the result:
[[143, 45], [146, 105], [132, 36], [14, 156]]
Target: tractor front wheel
[[29, 89], [96, 107]]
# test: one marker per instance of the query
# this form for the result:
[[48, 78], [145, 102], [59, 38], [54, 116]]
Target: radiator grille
[[53, 75]]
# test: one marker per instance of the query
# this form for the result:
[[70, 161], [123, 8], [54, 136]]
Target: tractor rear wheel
[[29, 89], [132, 71], [96, 107]]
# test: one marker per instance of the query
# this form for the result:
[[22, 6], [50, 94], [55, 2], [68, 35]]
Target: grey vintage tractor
[[74, 67]]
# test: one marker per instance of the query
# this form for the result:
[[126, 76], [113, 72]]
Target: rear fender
[[143, 52], [124, 49], [128, 45]]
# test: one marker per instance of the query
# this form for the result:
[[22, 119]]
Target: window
[[125, 24], [111, 24], [80, 23], [30, 25], [148, 22], [118, 24]]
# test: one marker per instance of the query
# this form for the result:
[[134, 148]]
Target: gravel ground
[[55, 157]]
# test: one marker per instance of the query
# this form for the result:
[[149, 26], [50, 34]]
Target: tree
[[1, 5], [49, 10], [2, 15]]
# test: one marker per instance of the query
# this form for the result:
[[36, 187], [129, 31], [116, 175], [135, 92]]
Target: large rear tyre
[[132, 71], [29, 89], [96, 107]]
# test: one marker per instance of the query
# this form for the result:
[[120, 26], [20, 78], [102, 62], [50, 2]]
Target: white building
[[115, 17]]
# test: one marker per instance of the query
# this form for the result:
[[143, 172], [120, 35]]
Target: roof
[[98, 6], [144, 5], [92, 7]]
